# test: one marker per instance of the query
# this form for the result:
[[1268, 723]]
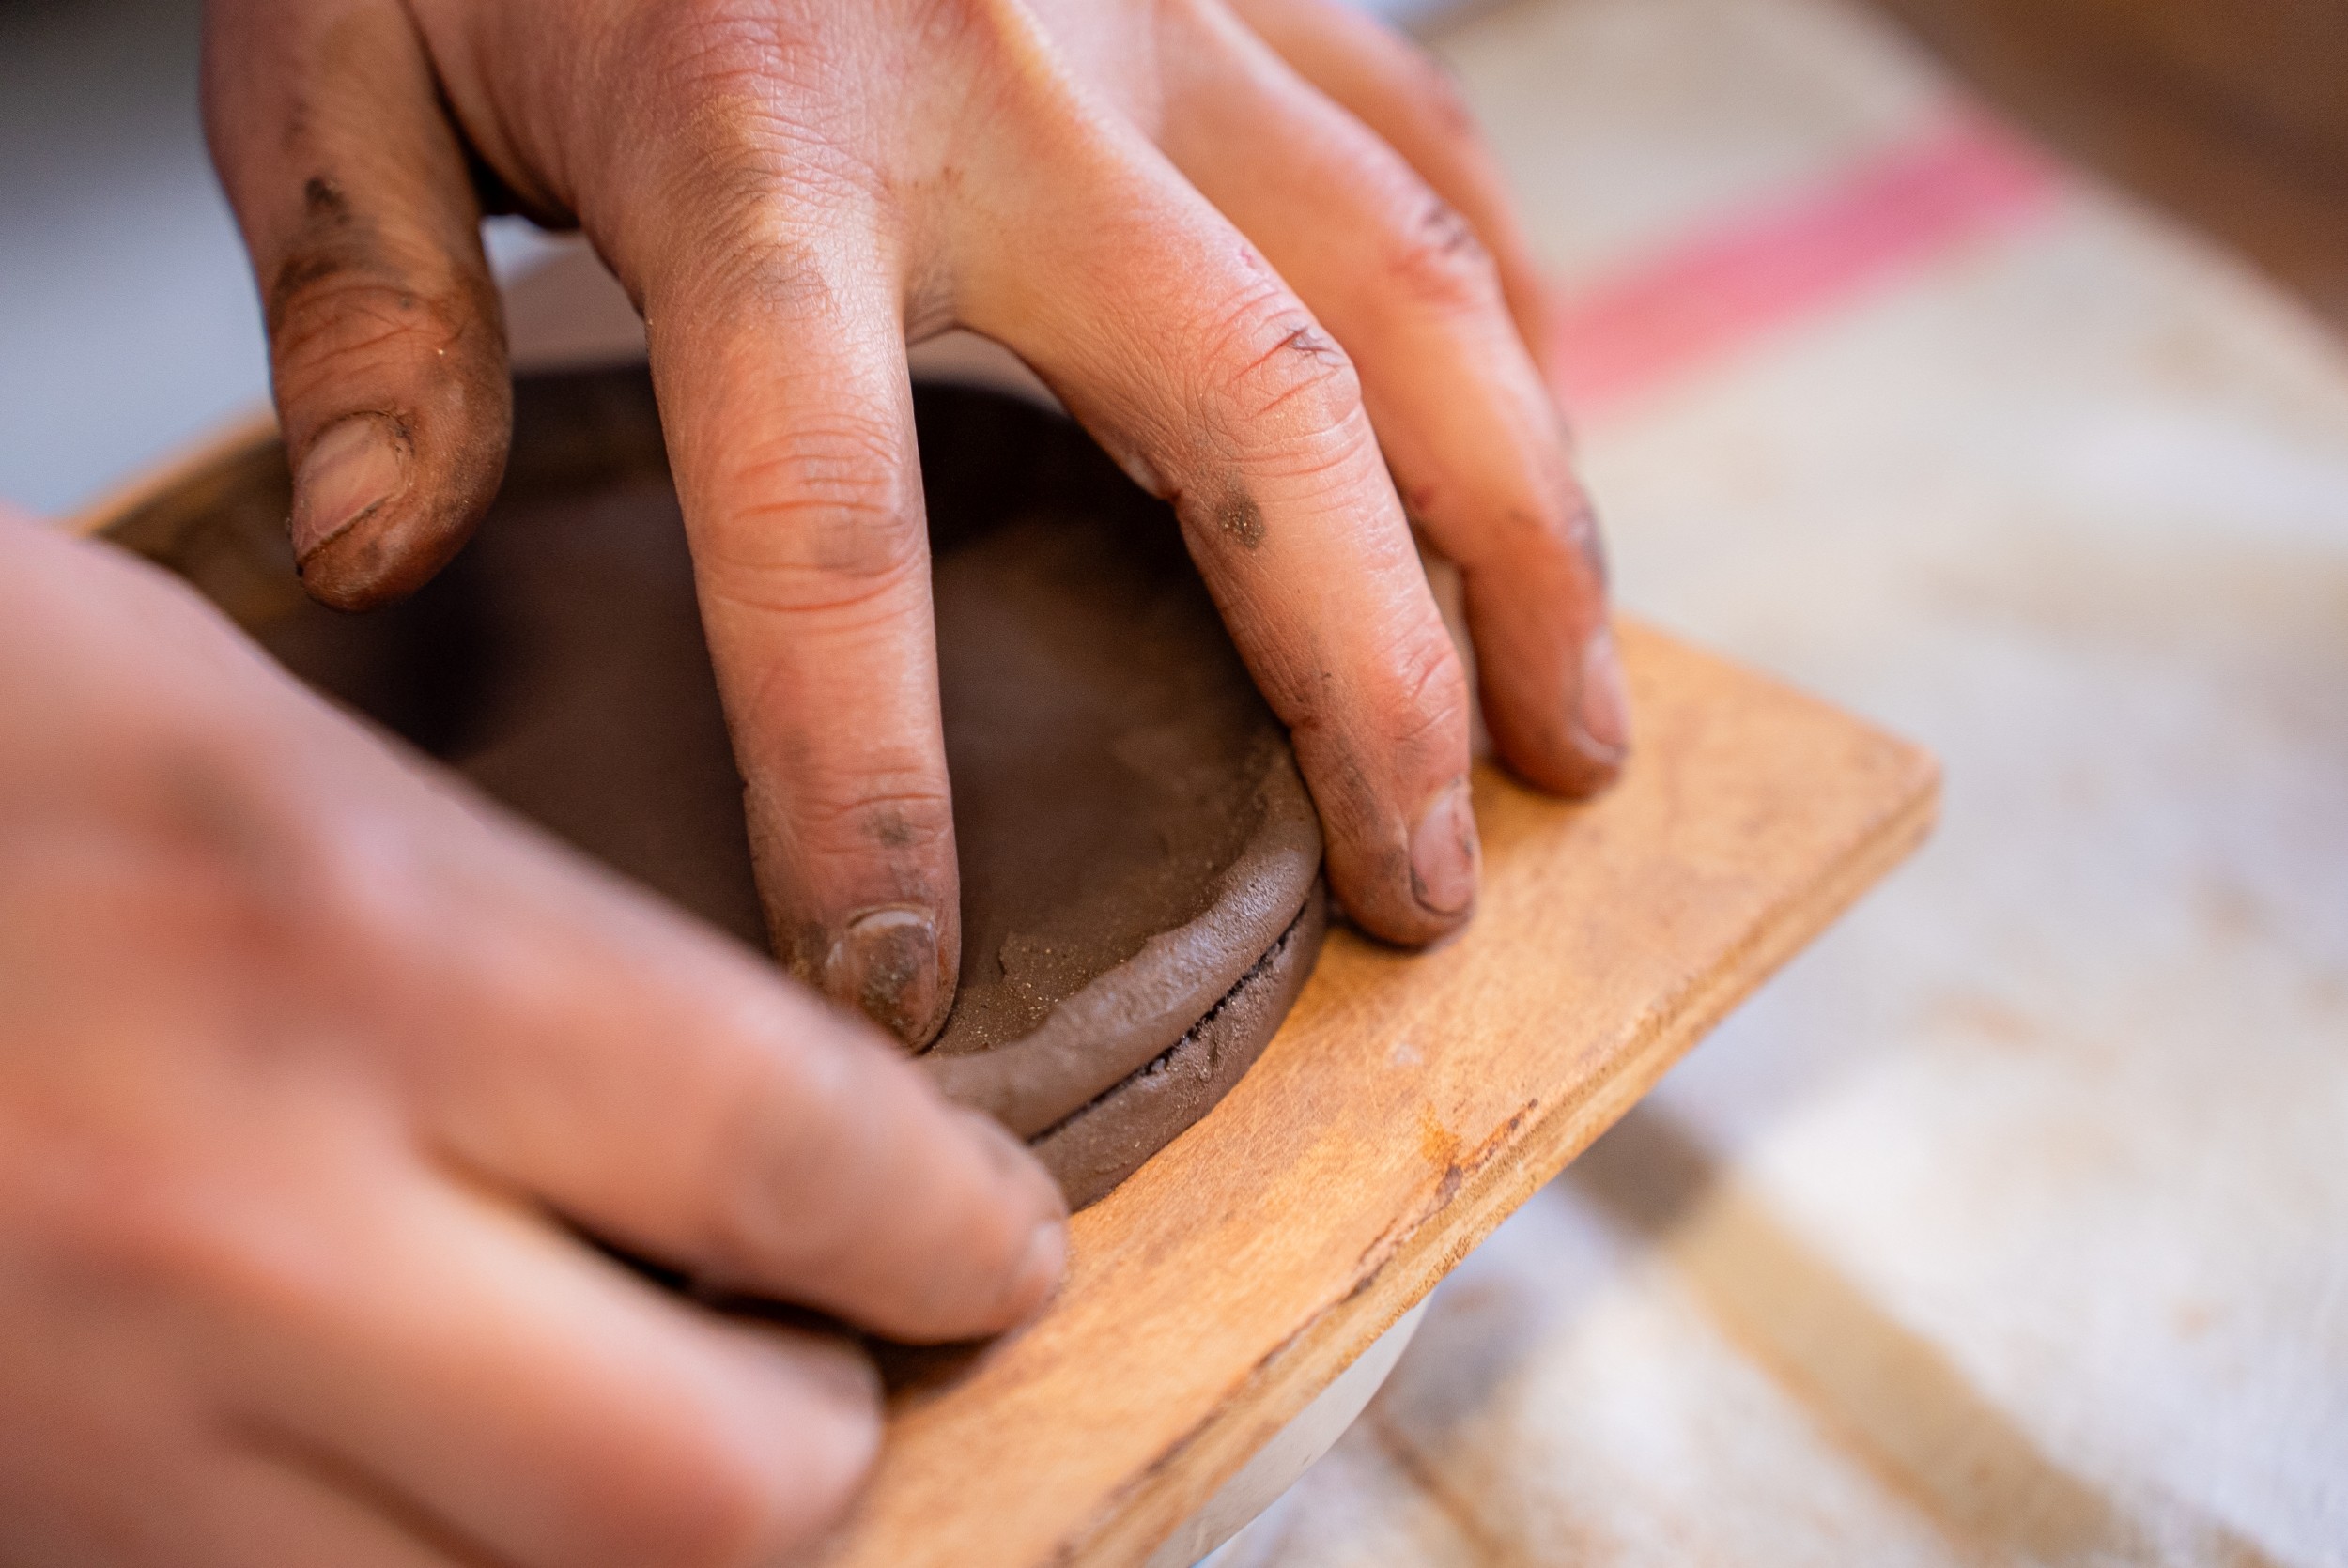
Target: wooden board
[[2229, 115], [1407, 1106]]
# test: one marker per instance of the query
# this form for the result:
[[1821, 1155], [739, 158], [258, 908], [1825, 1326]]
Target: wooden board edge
[[233, 439], [1188, 1473]]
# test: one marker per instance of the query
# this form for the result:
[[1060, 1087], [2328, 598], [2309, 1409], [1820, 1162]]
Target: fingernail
[[1043, 1266], [839, 1370], [357, 465], [887, 963], [1605, 708], [1444, 852]]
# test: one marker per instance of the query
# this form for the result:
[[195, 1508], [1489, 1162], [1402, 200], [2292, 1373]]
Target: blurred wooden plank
[[1410, 1103], [2230, 114]]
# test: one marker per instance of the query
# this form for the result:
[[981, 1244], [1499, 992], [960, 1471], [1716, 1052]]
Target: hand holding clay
[[1234, 237], [301, 1051]]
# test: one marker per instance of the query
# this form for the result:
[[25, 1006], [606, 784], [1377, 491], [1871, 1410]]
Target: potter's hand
[[301, 1055], [1221, 230]]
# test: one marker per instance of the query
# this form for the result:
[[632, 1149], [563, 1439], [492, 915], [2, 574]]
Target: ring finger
[[1170, 338]]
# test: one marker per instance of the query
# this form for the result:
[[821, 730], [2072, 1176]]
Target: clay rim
[[1121, 1020]]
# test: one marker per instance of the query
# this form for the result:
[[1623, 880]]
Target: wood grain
[[1407, 1106]]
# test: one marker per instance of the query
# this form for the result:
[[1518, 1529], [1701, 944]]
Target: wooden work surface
[[1407, 1106]]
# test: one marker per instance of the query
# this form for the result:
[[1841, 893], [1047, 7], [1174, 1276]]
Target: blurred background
[[1978, 364]]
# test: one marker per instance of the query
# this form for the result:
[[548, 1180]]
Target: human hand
[[1234, 235], [308, 1060]]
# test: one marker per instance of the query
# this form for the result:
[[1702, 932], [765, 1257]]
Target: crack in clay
[[1159, 1064]]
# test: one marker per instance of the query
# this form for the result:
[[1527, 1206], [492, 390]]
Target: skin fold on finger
[[1176, 346], [386, 343], [1478, 447], [778, 349], [1408, 98]]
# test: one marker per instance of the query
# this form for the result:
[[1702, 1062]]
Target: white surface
[[128, 321], [1290, 1454], [2011, 1224]]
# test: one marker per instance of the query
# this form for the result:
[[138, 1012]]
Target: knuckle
[[1423, 704], [155, 1220], [1435, 260], [1409, 708], [703, 53], [353, 285], [903, 814], [255, 870], [1275, 370], [331, 319], [1560, 527], [750, 97], [827, 519]]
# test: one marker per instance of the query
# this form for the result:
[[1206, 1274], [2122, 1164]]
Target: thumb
[[387, 350]]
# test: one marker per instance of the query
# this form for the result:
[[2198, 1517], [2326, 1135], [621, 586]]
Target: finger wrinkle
[[1444, 227], [849, 600], [341, 277], [1301, 339], [332, 240], [1432, 699], [1311, 343], [907, 819], [838, 811], [390, 323], [1329, 384]]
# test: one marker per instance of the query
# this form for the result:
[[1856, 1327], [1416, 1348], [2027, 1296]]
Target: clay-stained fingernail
[[1445, 851], [356, 465], [886, 964], [1605, 709]]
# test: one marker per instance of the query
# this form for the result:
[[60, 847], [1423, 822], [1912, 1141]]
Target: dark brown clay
[[1139, 859]]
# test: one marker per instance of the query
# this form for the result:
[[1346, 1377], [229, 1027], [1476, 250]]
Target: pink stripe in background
[[1762, 269]]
